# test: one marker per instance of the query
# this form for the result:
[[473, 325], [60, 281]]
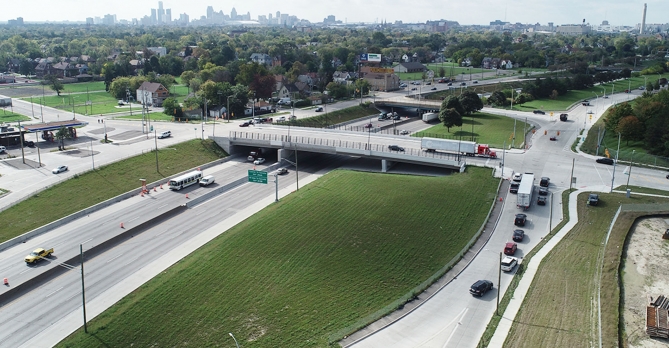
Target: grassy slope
[[558, 310], [104, 183], [359, 242], [488, 129]]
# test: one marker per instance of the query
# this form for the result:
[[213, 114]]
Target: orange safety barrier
[[5, 281]]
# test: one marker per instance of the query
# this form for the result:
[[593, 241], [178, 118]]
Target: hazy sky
[[617, 12]]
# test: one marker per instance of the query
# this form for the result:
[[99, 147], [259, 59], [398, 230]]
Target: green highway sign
[[258, 176]]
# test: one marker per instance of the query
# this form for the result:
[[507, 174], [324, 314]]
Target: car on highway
[[543, 191], [480, 287], [449, 84], [508, 263], [396, 117], [441, 81], [369, 125], [413, 89], [59, 169], [605, 160], [541, 200], [538, 112], [319, 109], [259, 160], [518, 235], [281, 119], [463, 84], [207, 180], [395, 148], [520, 220], [545, 181], [517, 177], [428, 83], [37, 255], [245, 124], [553, 138], [29, 143], [404, 132], [165, 134], [475, 81], [593, 199], [282, 171], [402, 85], [510, 248], [433, 88]]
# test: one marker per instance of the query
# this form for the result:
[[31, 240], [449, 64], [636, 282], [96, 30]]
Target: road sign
[[258, 176]]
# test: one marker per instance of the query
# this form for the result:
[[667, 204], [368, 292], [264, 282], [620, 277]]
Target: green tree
[[186, 76], [336, 90], [470, 102], [450, 118], [498, 99], [630, 128], [452, 102], [616, 114], [119, 87], [649, 86], [54, 83], [26, 67], [62, 134], [171, 107], [442, 71]]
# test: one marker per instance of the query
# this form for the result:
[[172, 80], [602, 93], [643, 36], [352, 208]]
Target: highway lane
[[62, 295], [102, 225]]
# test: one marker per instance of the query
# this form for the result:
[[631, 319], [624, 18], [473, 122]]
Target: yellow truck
[[37, 255]]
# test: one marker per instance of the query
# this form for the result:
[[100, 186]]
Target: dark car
[[545, 181], [553, 138], [395, 148], [518, 235], [514, 187], [605, 160], [463, 84], [428, 83], [541, 200], [480, 287], [543, 191], [29, 143], [433, 88], [538, 112], [369, 125], [449, 84], [475, 81], [593, 199], [520, 220], [413, 89], [319, 109], [245, 124]]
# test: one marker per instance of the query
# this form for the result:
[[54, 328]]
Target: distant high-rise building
[[168, 15], [269, 18], [643, 20], [161, 12], [17, 21], [89, 21], [233, 14], [278, 17], [154, 18], [183, 19], [210, 12]]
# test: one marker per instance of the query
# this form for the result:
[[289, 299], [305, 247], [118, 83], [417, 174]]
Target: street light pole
[[629, 173], [615, 164], [227, 111]]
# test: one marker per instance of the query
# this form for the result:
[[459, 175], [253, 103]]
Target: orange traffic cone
[[186, 196], [142, 193], [5, 281], [161, 186], [122, 225], [154, 189], [500, 199]]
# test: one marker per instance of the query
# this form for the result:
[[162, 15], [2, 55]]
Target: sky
[[617, 12]]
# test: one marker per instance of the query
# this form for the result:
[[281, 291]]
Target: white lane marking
[[456, 327], [114, 258], [28, 270], [86, 241], [164, 205], [59, 289], [133, 219], [457, 318]]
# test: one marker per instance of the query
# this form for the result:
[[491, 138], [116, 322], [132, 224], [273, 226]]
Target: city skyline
[[616, 12]]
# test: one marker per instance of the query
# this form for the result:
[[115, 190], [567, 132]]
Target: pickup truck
[[37, 255]]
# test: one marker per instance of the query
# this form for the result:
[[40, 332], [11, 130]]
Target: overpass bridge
[[287, 140], [412, 104]]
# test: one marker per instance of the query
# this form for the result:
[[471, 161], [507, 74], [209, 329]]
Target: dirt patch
[[645, 275]]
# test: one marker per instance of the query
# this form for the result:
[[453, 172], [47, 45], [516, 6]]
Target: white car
[[165, 134], [281, 119], [3, 149], [508, 263], [260, 160], [59, 169], [404, 132], [282, 171], [517, 177]]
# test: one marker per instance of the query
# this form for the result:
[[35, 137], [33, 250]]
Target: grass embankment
[[640, 189], [560, 308], [153, 116], [105, 182], [488, 129], [339, 116], [353, 243], [508, 295], [101, 102], [8, 116], [93, 86]]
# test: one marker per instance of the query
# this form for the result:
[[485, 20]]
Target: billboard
[[370, 57]]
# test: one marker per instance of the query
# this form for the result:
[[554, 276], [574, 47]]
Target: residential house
[[466, 62], [14, 65], [276, 61], [150, 93], [506, 64], [341, 76], [87, 59], [316, 100], [409, 67], [406, 58], [495, 63], [158, 51], [261, 58], [64, 69], [44, 68], [136, 65]]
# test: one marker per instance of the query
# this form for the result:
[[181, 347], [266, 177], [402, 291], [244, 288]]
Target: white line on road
[[114, 258], [86, 241], [456, 327], [164, 205], [457, 318], [25, 271], [133, 219], [59, 289]]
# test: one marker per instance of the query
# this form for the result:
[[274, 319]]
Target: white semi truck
[[468, 148]]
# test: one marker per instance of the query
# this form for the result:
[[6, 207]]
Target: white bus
[[185, 180]]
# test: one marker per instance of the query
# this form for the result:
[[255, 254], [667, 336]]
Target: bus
[[185, 180]]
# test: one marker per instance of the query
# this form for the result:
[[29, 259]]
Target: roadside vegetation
[[559, 309], [360, 242], [334, 117], [103, 183], [8, 116]]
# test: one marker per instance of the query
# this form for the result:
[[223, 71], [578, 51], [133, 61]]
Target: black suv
[[538, 112], [518, 235], [605, 160], [520, 220], [395, 148], [514, 187], [545, 181], [593, 199], [480, 287]]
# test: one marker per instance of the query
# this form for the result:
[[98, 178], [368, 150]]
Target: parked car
[[480, 287], [510, 248], [543, 191], [404, 132], [517, 177], [245, 124], [605, 160], [402, 85], [449, 84], [319, 109], [281, 119], [593, 199], [428, 83], [282, 171], [475, 81], [520, 220], [541, 200], [539, 112], [59, 169], [413, 89], [259, 160], [395, 148], [518, 235], [121, 103], [3, 149], [508, 263], [545, 181]]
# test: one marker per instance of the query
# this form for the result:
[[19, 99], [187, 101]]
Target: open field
[[86, 189], [277, 282], [153, 116], [560, 308], [488, 129], [6, 116], [101, 103], [180, 92], [93, 86]]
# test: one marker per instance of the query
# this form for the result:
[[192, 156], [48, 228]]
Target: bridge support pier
[[386, 165], [282, 154]]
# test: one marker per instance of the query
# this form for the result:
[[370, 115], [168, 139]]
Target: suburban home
[[150, 93], [64, 69], [14, 64], [467, 61], [87, 59], [136, 65], [341, 76], [406, 58], [506, 64], [409, 67], [261, 58], [316, 100]]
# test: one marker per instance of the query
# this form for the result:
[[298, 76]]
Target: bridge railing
[[373, 148]]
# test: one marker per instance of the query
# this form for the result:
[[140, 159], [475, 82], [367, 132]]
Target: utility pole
[[23, 155], [499, 281], [155, 138], [615, 164], [83, 288], [571, 177]]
